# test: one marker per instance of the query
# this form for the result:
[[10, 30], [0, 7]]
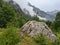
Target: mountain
[[26, 11], [41, 13], [50, 16], [53, 13], [38, 11]]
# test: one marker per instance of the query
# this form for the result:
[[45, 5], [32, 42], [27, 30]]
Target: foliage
[[56, 42], [35, 18], [49, 23], [56, 24], [9, 36], [19, 22], [7, 14], [41, 40]]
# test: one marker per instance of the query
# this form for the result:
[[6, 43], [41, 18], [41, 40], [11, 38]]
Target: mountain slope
[[18, 9], [41, 13], [53, 13]]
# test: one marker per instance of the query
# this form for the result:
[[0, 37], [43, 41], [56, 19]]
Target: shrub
[[9, 36]]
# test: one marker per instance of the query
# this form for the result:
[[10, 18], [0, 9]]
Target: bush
[[41, 40], [9, 36]]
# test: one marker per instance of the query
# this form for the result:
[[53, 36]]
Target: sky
[[45, 5]]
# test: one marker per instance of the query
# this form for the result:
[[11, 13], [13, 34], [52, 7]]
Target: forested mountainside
[[18, 9]]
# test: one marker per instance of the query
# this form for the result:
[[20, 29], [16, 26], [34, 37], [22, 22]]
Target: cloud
[[46, 5]]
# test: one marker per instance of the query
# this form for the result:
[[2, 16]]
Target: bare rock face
[[33, 28]]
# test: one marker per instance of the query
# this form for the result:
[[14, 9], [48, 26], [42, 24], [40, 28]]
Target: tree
[[49, 23], [57, 21], [7, 14], [35, 18]]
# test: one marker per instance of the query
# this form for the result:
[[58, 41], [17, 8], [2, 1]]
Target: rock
[[33, 28]]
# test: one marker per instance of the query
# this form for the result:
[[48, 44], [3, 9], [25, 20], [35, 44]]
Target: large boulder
[[32, 28]]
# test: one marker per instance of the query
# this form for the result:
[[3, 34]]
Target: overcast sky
[[45, 5]]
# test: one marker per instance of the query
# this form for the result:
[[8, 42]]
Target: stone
[[33, 28]]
